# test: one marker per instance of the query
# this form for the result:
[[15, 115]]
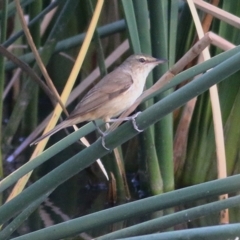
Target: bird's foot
[[102, 134], [132, 118], [135, 126], [103, 143]]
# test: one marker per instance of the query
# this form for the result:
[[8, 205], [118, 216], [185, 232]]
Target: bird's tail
[[51, 132]]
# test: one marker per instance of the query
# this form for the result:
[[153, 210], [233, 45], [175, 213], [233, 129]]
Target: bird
[[112, 95]]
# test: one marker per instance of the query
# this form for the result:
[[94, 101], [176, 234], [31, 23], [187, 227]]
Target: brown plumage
[[112, 95]]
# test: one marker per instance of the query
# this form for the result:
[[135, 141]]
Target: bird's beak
[[161, 60]]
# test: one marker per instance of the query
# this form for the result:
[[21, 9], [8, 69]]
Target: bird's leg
[[132, 118], [102, 134], [98, 129]]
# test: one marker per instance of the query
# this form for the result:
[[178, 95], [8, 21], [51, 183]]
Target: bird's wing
[[111, 86]]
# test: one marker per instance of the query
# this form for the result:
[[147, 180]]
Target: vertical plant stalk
[[140, 42], [3, 32], [217, 117], [132, 25], [208, 18], [159, 20], [147, 143]]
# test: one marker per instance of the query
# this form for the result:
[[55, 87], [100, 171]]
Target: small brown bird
[[112, 95]]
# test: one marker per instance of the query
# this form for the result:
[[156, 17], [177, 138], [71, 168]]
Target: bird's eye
[[142, 60]]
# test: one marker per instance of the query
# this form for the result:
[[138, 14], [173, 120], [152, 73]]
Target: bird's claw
[[133, 118], [102, 136], [103, 143]]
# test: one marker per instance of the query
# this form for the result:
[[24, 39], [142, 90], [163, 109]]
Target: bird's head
[[142, 64]]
